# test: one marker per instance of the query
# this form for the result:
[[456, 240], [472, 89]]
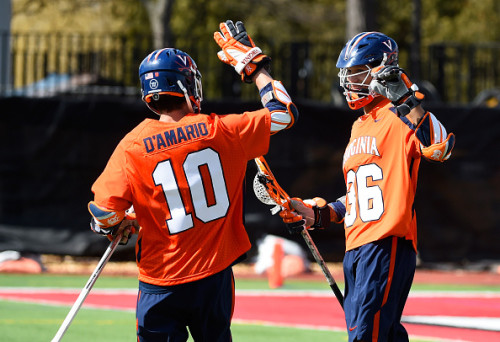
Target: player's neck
[[175, 115], [368, 108]]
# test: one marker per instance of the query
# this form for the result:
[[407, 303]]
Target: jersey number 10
[[164, 176]]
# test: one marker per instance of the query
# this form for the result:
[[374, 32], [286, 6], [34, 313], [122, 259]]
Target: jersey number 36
[[363, 195]]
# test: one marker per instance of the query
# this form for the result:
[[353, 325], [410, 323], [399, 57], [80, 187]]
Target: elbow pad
[[284, 113], [435, 143]]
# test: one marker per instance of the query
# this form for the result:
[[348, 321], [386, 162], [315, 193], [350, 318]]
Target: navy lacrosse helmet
[[170, 72], [367, 49]]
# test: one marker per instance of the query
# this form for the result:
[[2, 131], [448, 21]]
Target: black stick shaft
[[319, 259]]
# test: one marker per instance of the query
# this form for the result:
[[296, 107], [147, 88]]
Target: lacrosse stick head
[[263, 193]]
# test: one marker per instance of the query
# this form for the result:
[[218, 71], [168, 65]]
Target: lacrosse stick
[[268, 191], [86, 290]]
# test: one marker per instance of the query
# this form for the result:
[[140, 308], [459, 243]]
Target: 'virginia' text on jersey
[[364, 144]]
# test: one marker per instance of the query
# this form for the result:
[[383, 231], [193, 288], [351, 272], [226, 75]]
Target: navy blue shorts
[[378, 278], [205, 307]]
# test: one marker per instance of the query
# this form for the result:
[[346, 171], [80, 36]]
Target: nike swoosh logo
[[351, 329], [377, 120]]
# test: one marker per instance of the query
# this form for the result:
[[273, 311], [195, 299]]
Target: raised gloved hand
[[239, 51], [392, 82]]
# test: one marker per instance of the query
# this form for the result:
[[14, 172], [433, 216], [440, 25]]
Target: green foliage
[[276, 20], [464, 21], [274, 25], [69, 16]]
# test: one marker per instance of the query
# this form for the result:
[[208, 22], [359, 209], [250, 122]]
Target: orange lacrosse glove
[[108, 222], [239, 51], [308, 214], [435, 143], [294, 222]]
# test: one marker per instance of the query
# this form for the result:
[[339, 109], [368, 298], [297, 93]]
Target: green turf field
[[21, 322], [77, 281]]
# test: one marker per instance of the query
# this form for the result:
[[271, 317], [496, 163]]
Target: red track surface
[[320, 310]]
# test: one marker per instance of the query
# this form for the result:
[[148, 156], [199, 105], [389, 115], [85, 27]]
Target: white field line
[[481, 323], [257, 293], [324, 328], [66, 290], [65, 304], [328, 293]]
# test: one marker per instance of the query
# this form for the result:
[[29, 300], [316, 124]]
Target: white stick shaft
[[86, 290]]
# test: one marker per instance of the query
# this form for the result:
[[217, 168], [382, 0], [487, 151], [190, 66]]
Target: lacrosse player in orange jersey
[[184, 174], [380, 166]]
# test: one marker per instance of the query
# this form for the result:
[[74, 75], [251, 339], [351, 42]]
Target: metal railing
[[460, 72], [41, 65], [51, 64]]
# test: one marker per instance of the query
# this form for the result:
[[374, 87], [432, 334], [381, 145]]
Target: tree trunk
[[416, 42], [361, 17], [5, 67], [159, 12]]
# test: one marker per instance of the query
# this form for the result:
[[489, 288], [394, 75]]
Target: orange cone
[[274, 273]]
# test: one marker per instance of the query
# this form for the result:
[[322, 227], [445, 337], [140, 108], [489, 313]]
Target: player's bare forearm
[[416, 114], [262, 78]]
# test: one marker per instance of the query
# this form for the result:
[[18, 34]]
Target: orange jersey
[[380, 167], [186, 182]]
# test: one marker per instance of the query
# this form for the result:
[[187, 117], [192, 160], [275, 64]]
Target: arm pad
[[284, 113], [435, 144], [339, 210]]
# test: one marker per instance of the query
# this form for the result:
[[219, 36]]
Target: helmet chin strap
[[188, 100]]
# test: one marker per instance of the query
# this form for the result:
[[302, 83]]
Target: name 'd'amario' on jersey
[[175, 136]]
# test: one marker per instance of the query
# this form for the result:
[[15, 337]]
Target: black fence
[[50, 160], [42, 65], [463, 73]]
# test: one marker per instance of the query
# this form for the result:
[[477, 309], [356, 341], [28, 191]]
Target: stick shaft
[[86, 290], [319, 259], [281, 198]]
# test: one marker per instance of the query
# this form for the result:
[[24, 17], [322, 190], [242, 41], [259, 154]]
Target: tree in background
[[442, 20], [69, 16], [314, 29], [160, 13], [361, 17]]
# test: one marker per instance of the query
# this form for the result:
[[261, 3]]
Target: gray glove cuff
[[405, 108]]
